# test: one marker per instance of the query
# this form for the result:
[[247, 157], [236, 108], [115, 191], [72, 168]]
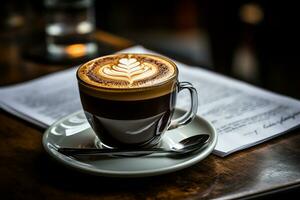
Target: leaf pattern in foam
[[128, 69]]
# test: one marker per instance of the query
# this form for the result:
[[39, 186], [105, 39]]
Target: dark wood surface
[[27, 172]]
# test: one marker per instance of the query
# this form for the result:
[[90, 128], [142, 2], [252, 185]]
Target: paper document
[[243, 115]]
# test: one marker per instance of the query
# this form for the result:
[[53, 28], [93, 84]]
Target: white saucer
[[74, 131]]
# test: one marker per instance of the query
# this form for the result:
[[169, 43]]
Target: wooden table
[[27, 172]]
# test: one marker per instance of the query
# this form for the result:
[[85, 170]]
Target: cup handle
[[189, 115]]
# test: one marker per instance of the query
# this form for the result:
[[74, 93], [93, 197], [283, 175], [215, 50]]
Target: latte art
[[128, 69]]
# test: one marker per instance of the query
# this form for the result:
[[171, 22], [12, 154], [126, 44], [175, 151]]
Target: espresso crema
[[127, 71]]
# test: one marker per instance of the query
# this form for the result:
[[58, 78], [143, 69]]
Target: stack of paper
[[243, 115]]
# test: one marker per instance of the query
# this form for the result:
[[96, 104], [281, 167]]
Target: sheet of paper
[[243, 115], [44, 100]]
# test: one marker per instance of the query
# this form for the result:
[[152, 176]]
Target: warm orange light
[[76, 50], [251, 13]]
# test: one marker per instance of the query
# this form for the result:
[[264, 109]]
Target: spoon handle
[[122, 152], [93, 151]]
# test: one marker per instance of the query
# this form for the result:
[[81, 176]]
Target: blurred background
[[254, 41]]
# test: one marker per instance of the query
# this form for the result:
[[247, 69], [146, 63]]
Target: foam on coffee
[[128, 73]]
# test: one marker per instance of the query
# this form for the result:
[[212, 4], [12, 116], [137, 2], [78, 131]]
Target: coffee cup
[[129, 99]]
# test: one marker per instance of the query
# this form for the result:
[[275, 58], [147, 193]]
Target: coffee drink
[[128, 99]]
